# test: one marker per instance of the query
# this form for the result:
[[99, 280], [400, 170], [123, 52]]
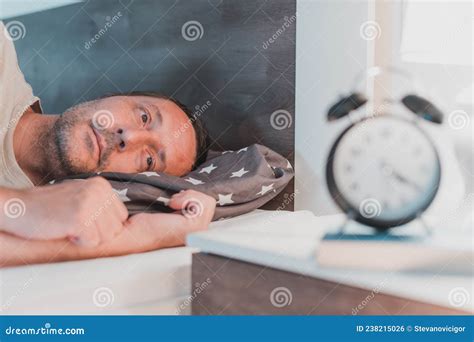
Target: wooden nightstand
[[241, 288], [243, 270]]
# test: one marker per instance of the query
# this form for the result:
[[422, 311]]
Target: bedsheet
[[156, 282]]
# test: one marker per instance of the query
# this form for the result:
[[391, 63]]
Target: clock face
[[385, 170]]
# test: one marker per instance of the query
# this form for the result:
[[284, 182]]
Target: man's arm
[[141, 233], [17, 251], [88, 212]]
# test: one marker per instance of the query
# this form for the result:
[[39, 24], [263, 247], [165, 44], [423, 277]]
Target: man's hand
[[88, 212], [142, 232]]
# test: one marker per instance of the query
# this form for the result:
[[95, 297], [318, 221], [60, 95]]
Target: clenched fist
[[88, 212], [145, 232]]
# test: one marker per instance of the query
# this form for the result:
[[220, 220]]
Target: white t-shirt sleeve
[[16, 96]]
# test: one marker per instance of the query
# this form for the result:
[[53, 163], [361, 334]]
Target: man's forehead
[[163, 103], [137, 99]]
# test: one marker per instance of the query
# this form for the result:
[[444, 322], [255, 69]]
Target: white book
[[418, 252]]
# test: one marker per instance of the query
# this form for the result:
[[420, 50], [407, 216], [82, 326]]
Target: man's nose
[[127, 139]]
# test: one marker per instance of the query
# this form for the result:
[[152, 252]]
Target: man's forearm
[[17, 251], [143, 232], [10, 206]]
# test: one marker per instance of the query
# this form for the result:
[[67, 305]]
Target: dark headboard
[[233, 59]]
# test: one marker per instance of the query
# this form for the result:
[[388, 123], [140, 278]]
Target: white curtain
[[438, 32]]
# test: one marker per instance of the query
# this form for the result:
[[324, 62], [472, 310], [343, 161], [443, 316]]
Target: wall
[[330, 52], [447, 85]]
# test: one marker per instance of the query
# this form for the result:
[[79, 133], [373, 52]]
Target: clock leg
[[425, 225], [349, 217]]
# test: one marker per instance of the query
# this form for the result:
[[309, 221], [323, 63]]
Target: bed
[[153, 283], [147, 283]]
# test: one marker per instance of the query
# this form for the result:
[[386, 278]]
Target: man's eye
[[144, 118], [149, 162]]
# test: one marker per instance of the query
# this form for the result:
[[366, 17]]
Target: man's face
[[128, 134]]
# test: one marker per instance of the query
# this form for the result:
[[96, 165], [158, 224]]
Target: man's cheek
[[82, 145], [121, 162]]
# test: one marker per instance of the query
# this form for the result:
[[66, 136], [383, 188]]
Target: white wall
[[448, 86], [329, 53]]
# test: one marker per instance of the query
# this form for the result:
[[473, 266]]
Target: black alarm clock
[[384, 170]]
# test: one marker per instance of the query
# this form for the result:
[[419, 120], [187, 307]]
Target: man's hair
[[202, 137]]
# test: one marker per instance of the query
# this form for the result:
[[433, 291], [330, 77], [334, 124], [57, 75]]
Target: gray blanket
[[240, 181]]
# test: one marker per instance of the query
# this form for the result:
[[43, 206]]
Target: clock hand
[[390, 171], [407, 181]]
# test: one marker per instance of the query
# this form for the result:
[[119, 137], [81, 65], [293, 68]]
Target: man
[[85, 219]]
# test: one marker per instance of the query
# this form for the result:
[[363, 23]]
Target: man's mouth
[[99, 144]]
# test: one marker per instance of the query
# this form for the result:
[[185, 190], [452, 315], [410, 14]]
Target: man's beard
[[63, 141]]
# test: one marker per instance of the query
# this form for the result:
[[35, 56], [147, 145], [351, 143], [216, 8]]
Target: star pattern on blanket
[[225, 199], [164, 200], [242, 150], [194, 181], [228, 151], [149, 174], [122, 194], [265, 189], [208, 169], [239, 173]]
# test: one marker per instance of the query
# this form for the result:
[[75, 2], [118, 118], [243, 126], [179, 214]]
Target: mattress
[[156, 282], [153, 283]]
